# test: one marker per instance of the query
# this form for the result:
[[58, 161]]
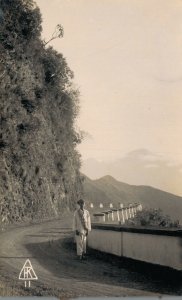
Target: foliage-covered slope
[[39, 165]]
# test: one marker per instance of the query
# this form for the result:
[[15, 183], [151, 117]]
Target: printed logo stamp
[[27, 273]]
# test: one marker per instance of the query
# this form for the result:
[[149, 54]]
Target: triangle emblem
[[27, 272]]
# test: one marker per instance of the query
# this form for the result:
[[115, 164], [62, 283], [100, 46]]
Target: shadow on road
[[58, 256]]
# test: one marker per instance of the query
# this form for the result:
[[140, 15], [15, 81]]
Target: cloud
[[152, 166], [139, 167], [144, 154]]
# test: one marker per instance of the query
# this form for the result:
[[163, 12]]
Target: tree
[[58, 33]]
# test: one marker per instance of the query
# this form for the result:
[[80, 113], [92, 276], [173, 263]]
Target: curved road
[[52, 255]]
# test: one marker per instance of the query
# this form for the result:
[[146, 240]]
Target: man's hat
[[81, 201]]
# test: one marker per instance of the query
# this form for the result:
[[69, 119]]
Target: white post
[[100, 217], [130, 216], [126, 213], [123, 218], [110, 215], [115, 214], [138, 207], [106, 216], [118, 215]]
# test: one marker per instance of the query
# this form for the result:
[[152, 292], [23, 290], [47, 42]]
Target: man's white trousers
[[81, 240]]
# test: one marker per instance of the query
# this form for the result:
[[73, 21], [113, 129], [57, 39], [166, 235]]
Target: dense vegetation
[[153, 217], [39, 172]]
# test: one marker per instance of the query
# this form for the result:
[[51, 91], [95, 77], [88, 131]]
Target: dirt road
[[51, 251]]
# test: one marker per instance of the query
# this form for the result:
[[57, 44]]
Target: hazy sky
[[127, 60]]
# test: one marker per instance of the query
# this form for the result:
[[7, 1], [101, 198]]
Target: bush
[[154, 217]]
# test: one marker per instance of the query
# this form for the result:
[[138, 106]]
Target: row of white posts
[[118, 215], [101, 205]]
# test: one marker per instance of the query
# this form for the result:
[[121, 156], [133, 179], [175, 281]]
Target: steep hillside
[[39, 165], [107, 190]]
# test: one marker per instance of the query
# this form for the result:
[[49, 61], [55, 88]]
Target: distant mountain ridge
[[108, 190], [140, 167]]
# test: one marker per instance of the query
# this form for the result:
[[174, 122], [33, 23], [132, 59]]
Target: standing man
[[81, 227]]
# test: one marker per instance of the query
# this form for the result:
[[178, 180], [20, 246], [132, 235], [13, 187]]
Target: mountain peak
[[110, 179], [107, 178]]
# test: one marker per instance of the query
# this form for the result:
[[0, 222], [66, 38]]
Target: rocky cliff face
[[39, 164]]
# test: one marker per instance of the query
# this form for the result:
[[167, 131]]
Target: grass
[[9, 290]]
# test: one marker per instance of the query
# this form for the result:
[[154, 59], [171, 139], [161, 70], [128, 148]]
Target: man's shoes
[[83, 256]]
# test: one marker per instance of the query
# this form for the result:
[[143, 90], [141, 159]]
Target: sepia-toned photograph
[[90, 148]]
